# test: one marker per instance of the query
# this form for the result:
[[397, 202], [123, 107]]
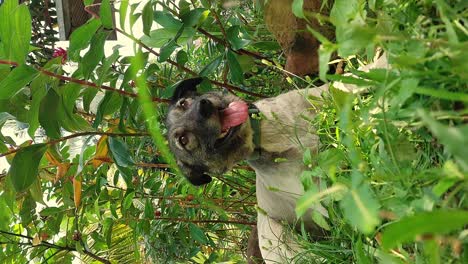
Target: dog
[[209, 133]]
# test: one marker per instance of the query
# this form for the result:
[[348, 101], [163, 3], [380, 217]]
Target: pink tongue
[[235, 114]]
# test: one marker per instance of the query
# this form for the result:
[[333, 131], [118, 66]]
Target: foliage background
[[393, 160]]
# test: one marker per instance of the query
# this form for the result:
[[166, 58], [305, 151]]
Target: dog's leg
[[275, 241], [254, 255]]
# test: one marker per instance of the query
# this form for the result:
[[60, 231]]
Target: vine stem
[[81, 134]]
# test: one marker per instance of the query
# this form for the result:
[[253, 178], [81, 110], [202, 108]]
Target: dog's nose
[[205, 108]]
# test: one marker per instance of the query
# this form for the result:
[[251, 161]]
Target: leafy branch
[[220, 40], [228, 86], [50, 245]]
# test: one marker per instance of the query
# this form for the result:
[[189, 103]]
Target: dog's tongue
[[235, 114]]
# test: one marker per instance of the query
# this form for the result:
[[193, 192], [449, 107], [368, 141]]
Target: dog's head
[[208, 133]]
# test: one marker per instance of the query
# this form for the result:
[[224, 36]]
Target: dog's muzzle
[[206, 108]]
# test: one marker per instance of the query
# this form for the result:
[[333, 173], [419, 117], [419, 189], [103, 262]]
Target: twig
[[220, 25], [182, 198], [185, 220], [88, 10], [84, 82], [88, 133]]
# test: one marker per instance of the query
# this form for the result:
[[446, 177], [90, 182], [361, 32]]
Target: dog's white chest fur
[[285, 133]]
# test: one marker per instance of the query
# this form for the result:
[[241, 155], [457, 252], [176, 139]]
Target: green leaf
[[4, 69], [128, 201], [353, 38], [95, 53], [5, 214], [38, 89], [106, 65], [27, 210], [49, 114], [211, 66], [297, 8], [123, 13], [442, 7], [181, 57], [166, 20], [24, 167], [361, 209], [330, 158], [5, 117], [312, 197], [147, 17], [161, 36], [36, 192], [158, 37], [436, 222], [105, 13], [167, 50], [152, 117], [307, 157], [362, 256], [453, 138], [195, 17], [17, 79], [108, 105], [198, 234], [88, 96], [81, 37], [149, 209], [107, 230], [237, 37], [134, 15], [120, 152], [235, 70], [442, 94], [320, 220], [307, 180], [325, 51], [68, 119], [246, 62], [266, 45], [345, 10], [49, 211], [15, 30]]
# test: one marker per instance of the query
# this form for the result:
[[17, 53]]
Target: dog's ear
[[186, 88], [195, 174]]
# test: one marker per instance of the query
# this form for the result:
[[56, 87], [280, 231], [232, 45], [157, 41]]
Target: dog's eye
[[184, 103], [183, 140]]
